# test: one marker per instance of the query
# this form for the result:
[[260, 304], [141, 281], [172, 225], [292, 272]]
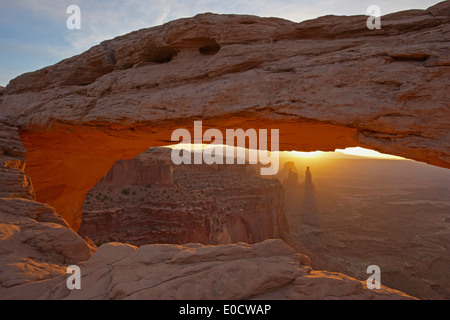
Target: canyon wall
[[218, 204], [36, 243], [156, 169]]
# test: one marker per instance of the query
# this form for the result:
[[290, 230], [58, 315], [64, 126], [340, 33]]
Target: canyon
[[149, 200], [326, 83], [349, 213]]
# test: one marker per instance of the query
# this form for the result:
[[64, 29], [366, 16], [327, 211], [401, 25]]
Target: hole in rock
[[210, 48], [159, 55], [410, 57], [205, 45], [247, 21], [60, 156]]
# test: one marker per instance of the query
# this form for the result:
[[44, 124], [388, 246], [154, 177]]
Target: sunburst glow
[[361, 152]]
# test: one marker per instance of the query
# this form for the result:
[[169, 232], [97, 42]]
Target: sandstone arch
[[326, 83]]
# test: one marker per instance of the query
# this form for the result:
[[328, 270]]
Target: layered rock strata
[[217, 204], [36, 243]]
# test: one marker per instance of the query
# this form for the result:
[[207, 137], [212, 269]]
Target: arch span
[[326, 83]]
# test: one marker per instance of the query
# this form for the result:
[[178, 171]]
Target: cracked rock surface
[[266, 270]]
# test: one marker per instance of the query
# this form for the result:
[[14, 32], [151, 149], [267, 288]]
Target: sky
[[34, 33], [352, 153], [355, 151]]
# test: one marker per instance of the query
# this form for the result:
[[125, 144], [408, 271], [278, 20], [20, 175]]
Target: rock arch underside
[[326, 83]]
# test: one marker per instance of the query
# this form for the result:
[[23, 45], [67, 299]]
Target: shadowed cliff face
[[153, 167], [149, 200]]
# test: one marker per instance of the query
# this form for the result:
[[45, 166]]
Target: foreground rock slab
[[266, 270]]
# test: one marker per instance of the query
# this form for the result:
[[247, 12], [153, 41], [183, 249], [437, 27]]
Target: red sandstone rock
[[150, 168], [36, 243], [266, 270], [217, 204]]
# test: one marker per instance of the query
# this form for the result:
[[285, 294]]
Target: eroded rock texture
[[217, 204], [266, 270], [36, 243], [153, 167]]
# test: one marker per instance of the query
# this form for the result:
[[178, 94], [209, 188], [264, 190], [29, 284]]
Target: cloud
[[103, 20]]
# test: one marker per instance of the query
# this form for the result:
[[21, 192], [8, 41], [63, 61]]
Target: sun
[[338, 153], [314, 154], [356, 152]]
